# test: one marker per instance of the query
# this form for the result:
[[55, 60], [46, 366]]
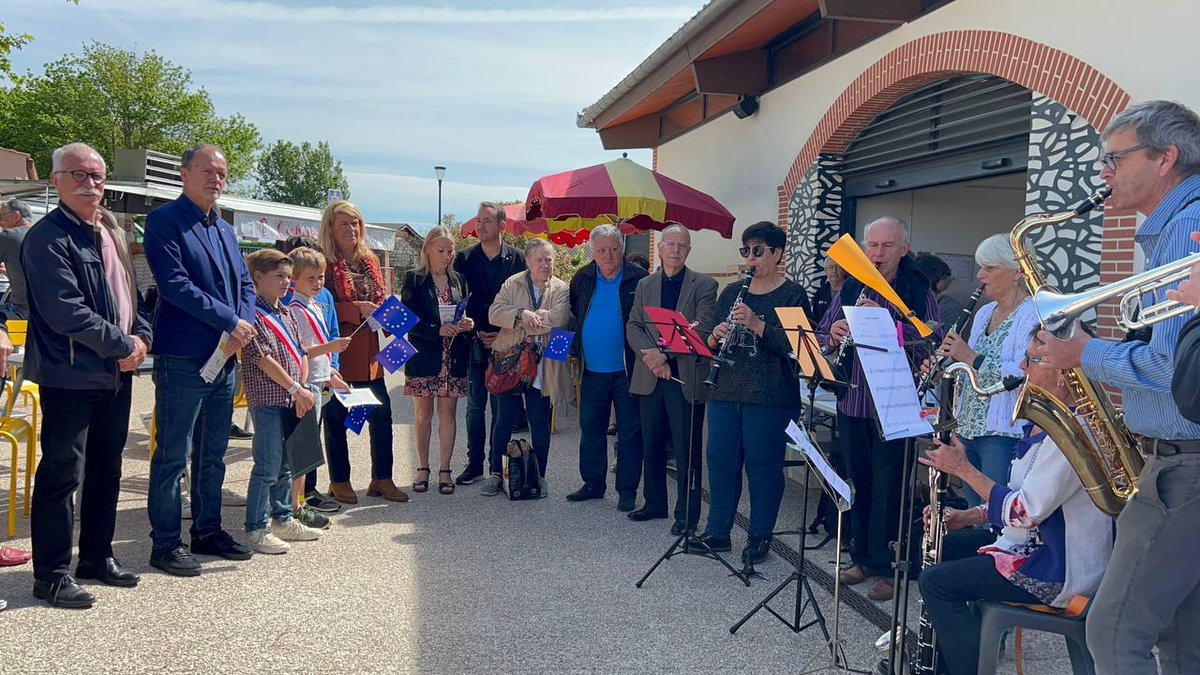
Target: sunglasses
[[1110, 159], [754, 251]]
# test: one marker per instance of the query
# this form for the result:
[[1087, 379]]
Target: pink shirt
[[118, 280]]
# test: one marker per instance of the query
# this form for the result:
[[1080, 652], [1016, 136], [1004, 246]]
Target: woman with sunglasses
[[1042, 540], [756, 396]]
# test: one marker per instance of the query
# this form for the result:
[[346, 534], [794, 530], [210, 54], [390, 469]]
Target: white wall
[[1144, 47]]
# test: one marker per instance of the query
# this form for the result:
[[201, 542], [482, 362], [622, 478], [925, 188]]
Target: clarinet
[[726, 342], [836, 364], [925, 659], [942, 362]]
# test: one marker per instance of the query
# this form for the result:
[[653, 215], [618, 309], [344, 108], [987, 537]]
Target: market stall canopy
[[568, 206]]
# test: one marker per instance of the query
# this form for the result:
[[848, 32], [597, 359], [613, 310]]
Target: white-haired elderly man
[[601, 297], [88, 333], [1150, 593]]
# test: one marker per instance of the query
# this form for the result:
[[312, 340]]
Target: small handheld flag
[[356, 418], [393, 317], [559, 344], [460, 310], [395, 355]]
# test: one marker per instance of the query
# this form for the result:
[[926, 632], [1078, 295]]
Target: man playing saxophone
[[1053, 542], [1147, 597]]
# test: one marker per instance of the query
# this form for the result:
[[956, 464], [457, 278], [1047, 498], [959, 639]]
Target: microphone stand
[[688, 542]]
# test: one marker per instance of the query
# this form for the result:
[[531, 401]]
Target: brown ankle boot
[[343, 492], [387, 489]]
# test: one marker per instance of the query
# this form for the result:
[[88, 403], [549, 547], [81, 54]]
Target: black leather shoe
[[583, 494], [221, 545], [679, 527], [238, 433], [756, 550], [716, 544], [107, 572], [63, 592], [177, 562], [643, 514], [469, 475], [626, 504]]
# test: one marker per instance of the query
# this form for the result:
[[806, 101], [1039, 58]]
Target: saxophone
[[925, 659], [1104, 454]]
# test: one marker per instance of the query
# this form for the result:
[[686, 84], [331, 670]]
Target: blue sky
[[488, 89]]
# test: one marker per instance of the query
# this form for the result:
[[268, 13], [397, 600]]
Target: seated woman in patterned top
[[1053, 542]]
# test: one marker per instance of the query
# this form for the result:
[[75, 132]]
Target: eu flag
[[396, 354], [460, 310], [559, 344], [393, 317], [356, 418]]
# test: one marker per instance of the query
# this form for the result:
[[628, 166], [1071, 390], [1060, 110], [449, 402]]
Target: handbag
[[522, 476], [514, 370]]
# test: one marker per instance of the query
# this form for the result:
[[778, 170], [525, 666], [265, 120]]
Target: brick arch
[[1033, 65]]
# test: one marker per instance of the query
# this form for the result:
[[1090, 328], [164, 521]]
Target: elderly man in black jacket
[[88, 334], [601, 298]]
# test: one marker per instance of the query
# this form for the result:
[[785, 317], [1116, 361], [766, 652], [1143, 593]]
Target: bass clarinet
[[726, 342]]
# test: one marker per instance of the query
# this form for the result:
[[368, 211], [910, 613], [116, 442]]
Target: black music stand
[[804, 592], [683, 340]]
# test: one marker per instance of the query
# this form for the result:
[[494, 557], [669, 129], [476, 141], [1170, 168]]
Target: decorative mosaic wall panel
[[1063, 151], [814, 222]]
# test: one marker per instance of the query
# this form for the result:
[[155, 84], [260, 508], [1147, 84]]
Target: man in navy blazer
[[204, 290]]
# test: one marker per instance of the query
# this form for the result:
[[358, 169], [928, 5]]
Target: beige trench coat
[[555, 310]]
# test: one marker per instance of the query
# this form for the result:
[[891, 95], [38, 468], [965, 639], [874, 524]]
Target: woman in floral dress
[[438, 371]]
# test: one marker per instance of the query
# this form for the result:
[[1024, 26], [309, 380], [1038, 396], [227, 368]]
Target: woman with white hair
[[994, 349], [437, 373]]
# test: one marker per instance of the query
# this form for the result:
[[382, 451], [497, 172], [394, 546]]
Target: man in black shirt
[[485, 266]]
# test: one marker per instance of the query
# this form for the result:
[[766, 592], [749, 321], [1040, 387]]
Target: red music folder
[[676, 333]]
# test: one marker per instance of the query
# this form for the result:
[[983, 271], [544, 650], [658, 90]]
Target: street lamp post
[[440, 172]]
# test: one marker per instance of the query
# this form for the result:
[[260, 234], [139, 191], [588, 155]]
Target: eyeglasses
[[1032, 360], [754, 251], [79, 175], [1110, 159]]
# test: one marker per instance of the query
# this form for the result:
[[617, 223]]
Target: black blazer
[[419, 294]]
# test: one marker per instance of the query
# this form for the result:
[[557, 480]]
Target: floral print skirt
[[441, 385]]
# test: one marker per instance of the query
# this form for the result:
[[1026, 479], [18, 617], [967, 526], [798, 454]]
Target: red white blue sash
[[315, 320], [281, 331]]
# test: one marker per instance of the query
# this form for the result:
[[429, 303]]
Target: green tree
[[112, 98], [299, 174]]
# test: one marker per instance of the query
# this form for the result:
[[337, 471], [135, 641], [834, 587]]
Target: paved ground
[[443, 584]]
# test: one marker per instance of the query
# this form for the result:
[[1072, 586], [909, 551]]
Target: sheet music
[[817, 461], [216, 361], [888, 374]]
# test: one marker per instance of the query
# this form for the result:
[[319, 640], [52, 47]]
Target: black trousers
[[947, 588], [379, 425], [667, 418], [875, 469], [83, 436]]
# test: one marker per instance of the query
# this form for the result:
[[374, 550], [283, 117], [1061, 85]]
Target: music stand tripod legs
[[688, 542]]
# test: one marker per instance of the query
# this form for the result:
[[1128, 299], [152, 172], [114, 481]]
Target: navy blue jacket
[[192, 310], [74, 341]]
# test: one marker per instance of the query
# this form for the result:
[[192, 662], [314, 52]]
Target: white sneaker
[[545, 485], [231, 498], [187, 506], [293, 530], [491, 486], [265, 542]]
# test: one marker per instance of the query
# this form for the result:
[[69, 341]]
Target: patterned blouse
[[972, 416]]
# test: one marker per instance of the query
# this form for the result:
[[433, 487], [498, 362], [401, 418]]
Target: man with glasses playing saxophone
[[1149, 595]]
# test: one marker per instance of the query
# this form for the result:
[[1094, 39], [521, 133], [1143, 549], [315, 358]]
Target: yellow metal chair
[[14, 431], [18, 332]]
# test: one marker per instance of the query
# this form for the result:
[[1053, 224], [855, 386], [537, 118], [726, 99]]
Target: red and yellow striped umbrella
[[567, 206]]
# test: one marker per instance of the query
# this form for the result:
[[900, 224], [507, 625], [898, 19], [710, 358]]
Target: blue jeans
[[479, 432], [270, 479], [753, 436], [598, 393], [537, 407], [992, 455], [185, 405]]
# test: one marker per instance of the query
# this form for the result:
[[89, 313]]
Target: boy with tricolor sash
[[318, 336], [275, 369]]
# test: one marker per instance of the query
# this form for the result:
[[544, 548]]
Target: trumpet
[[1059, 311]]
